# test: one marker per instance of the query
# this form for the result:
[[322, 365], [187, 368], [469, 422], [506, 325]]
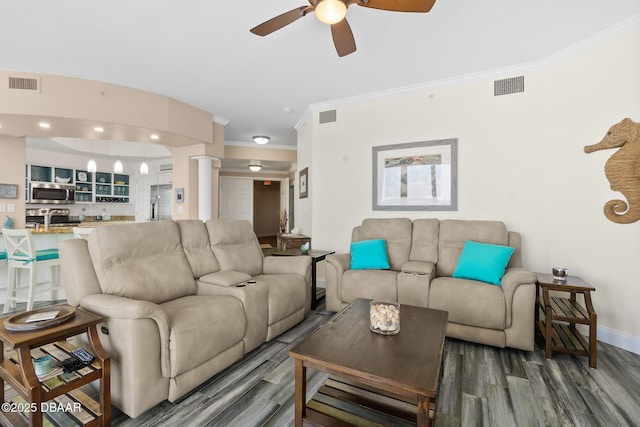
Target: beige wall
[[521, 161], [12, 163], [74, 107]]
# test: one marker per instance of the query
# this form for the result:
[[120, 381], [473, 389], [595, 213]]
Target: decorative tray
[[22, 322]]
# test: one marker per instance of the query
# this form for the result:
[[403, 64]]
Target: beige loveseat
[[423, 255], [178, 301]]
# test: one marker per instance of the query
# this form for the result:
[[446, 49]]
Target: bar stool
[[22, 256]]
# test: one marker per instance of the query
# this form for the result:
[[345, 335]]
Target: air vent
[[24, 83], [327, 116], [508, 86]]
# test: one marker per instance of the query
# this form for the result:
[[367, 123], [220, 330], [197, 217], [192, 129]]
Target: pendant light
[[117, 166], [92, 167], [144, 167]]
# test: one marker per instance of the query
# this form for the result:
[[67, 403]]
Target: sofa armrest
[[337, 264], [115, 307], [287, 265], [513, 278]]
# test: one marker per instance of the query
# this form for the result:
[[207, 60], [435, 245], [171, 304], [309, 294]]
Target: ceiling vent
[[25, 83], [508, 86], [327, 116]]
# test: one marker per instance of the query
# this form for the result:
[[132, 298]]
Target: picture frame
[[420, 176], [304, 183], [179, 195]]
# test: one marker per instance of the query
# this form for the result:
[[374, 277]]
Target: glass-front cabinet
[[99, 187]]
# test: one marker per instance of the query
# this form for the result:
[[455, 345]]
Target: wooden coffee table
[[407, 364]]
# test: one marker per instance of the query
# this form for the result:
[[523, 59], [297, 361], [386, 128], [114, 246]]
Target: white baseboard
[[619, 339]]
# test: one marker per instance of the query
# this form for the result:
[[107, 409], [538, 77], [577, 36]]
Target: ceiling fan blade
[[343, 38], [280, 21], [399, 5]]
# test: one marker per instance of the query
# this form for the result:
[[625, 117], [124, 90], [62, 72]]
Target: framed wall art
[[304, 183], [421, 176]]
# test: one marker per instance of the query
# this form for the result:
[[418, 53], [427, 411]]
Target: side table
[[558, 328], [316, 257], [22, 378]]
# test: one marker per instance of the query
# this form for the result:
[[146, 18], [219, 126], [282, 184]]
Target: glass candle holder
[[384, 317], [560, 273]]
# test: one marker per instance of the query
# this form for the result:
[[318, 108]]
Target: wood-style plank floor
[[481, 386]]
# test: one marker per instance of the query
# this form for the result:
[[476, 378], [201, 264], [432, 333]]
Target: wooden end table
[[316, 257], [562, 314], [408, 364], [22, 377]]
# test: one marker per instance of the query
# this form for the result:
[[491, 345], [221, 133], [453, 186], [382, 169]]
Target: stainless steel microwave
[[43, 192]]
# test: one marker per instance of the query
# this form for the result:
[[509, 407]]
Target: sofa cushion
[[197, 248], [225, 278], [372, 284], [397, 234], [483, 261], [424, 240], [201, 327], [143, 261], [455, 233], [369, 255], [287, 294], [469, 302], [235, 245]]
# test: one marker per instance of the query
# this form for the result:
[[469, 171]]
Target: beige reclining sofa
[[179, 301], [423, 255]]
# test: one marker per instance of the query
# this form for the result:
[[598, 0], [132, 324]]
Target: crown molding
[[220, 120], [631, 23]]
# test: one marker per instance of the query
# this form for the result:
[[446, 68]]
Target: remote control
[[72, 364], [83, 355]]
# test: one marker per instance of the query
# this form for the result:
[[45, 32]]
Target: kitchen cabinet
[[101, 187]]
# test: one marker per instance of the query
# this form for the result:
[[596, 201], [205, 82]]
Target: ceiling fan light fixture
[[261, 140], [331, 11], [255, 168]]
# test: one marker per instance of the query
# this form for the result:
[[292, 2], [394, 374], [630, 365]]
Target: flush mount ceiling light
[[44, 125], [155, 136], [255, 168], [99, 129], [261, 139]]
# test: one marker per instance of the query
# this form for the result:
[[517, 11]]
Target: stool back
[[19, 245]]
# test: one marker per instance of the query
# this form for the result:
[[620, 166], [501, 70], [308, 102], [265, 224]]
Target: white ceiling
[[201, 51]]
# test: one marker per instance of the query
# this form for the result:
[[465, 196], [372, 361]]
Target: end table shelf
[[560, 316], [60, 394]]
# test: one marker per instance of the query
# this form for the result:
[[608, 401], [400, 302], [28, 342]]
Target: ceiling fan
[[333, 12]]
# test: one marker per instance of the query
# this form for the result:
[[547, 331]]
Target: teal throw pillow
[[483, 261], [369, 255]]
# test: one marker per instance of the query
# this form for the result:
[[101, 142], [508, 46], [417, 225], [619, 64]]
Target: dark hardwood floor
[[481, 386]]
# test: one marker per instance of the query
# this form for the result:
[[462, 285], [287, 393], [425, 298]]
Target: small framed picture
[[304, 183], [179, 195]]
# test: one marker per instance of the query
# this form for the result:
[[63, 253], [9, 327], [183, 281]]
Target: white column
[[205, 190]]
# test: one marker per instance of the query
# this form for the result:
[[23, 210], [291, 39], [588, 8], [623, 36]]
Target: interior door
[[236, 198]]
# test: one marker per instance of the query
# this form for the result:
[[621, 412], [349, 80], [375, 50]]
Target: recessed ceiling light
[[98, 129], [155, 136], [261, 139], [44, 125]]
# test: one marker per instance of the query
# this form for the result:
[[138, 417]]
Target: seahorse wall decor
[[622, 170]]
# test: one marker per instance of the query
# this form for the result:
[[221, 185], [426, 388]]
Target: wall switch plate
[[11, 207], [3, 207]]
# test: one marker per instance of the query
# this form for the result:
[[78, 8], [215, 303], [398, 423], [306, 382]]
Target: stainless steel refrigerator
[[161, 202]]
